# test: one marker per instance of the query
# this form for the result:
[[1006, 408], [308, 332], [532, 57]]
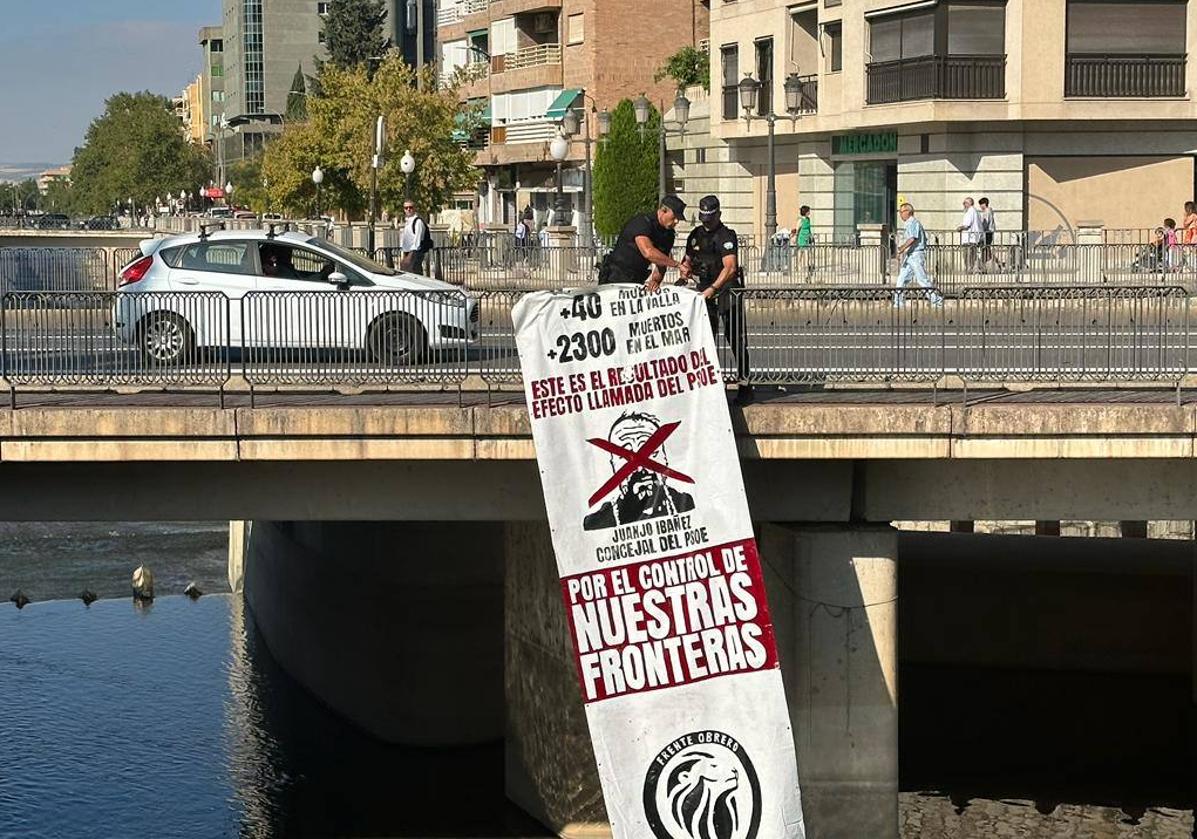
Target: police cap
[[708, 206]]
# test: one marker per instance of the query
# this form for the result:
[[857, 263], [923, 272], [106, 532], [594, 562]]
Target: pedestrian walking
[[988, 231], [803, 239], [641, 252], [970, 227], [415, 240], [712, 260], [913, 254]]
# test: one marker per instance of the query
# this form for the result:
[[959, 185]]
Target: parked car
[[220, 212], [99, 223], [53, 221], [391, 329]]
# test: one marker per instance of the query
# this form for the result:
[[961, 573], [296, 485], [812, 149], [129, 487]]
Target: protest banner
[[659, 569]]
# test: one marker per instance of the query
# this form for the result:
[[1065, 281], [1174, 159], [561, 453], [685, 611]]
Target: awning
[[562, 103]]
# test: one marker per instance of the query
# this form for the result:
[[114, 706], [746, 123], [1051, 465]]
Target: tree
[[625, 169], [297, 98], [688, 66], [135, 150], [353, 31], [246, 178], [339, 137]]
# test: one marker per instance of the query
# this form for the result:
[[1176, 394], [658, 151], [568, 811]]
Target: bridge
[[389, 528]]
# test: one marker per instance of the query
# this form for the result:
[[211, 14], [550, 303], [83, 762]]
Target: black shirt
[[706, 249], [626, 256]]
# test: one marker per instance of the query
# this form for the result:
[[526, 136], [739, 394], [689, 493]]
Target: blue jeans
[[915, 268]]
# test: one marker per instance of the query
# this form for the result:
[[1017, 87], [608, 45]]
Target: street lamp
[[681, 114], [570, 122], [750, 91], [559, 149], [317, 179], [228, 194], [407, 165]]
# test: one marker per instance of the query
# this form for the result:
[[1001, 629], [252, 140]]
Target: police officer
[[712, 261], [641, 253]]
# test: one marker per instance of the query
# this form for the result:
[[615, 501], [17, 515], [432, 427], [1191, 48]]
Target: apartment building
[[525, 62], [264, 42], [404, 18], [1059, 111], [211, 78]]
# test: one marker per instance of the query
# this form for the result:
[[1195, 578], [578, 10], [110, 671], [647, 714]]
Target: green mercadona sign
[[883, 143]]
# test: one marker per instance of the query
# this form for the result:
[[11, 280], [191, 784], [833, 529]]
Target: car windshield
[[352, 257]]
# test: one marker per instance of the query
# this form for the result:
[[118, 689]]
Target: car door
[[305, 310], [227, 266]]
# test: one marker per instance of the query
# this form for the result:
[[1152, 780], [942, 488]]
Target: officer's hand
[[708, 293], [654, 283]]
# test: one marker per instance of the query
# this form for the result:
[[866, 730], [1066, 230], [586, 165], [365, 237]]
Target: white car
[[351, 302]]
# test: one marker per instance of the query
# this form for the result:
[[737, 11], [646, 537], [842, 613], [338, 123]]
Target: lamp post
[[317, 179], [407, 165], [375, 165], [750, 91], [570, 121], [559, 149], [681, 113], [228, 195]]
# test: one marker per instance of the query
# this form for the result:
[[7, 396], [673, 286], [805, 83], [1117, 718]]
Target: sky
[[60, 59]]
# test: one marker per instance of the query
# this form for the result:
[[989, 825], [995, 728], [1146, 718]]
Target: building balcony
[[937, 77], [539, 130], [1124, 76], [449, 15], [808, 95], [466, 75], [536, 56]]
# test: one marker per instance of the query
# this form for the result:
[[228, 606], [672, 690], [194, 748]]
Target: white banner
[[659, 568]]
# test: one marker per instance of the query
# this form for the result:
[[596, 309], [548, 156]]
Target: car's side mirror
[[338, 279]]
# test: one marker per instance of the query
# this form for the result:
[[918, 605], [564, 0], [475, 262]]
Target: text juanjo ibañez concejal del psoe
[[659, 569]]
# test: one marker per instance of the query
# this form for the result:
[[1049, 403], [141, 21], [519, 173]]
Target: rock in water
[[143, 584], [19, 599], [193, 591], [87, 596]]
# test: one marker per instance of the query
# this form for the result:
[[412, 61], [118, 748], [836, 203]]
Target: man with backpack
[[414, 241]]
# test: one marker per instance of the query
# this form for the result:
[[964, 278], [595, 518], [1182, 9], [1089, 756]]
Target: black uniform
[[706, 250], [625, 263]]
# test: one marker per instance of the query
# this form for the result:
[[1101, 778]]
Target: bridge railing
[[797, 335]]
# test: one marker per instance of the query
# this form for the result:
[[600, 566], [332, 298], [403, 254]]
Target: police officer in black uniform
[[712, 261], [641, 253]]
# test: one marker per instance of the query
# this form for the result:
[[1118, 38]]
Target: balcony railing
[[1137, 76], [539, 130], [937, 77], [448, 15], [533, 57], [465, 74]]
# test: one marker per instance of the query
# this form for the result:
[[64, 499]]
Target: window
[[282, 262], [764, 74], [216, 45], [576, 29], [218, 96], [908, 36], [730, 62], [217, 70], [322, 8], [224, 257], [976, 29], [1136, 28], [835, 47]]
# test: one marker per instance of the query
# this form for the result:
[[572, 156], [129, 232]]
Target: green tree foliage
[[21, 195], [248, 187], [353, 31], [297, 98], [625, 170], [339, 137], [135, 150], [688, 66]]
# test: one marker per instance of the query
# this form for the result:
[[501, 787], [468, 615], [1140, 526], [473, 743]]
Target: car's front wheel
[[165, 339], [396, 339]]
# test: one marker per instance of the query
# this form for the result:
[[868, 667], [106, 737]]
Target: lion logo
[[703, 786]]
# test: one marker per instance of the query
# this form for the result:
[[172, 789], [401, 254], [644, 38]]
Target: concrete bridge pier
[[397, 626], [833, 596]]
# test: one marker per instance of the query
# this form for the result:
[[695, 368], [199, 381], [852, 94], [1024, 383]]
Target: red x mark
[[634, 460]]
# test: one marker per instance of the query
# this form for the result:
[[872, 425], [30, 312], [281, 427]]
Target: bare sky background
[[60, 59]]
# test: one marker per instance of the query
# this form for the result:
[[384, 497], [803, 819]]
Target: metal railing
[[936, 77], [62, 269], [797, 335], [1132, 76], [992, 335]]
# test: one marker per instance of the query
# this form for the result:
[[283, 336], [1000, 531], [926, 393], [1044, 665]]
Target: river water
[[174, 721]]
